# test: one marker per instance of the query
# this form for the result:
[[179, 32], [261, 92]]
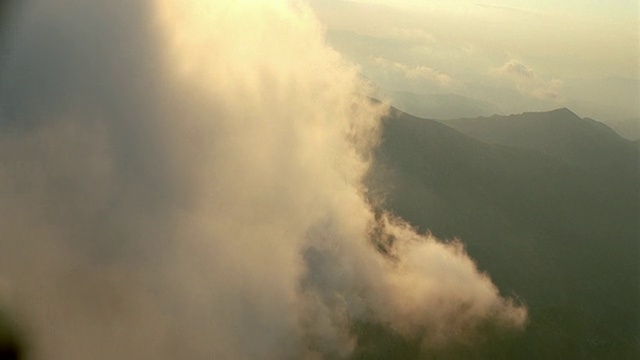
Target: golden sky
[[580, 54]]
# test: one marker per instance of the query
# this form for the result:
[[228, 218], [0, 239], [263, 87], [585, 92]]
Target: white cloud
[[191, 187], [411, 34], [527, 81], [415, 72]]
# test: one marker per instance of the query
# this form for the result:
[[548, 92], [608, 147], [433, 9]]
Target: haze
[[177, 183], [517, 55], [206, 179]]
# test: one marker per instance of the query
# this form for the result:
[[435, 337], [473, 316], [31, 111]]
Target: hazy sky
[[176, 183], [517, 54]]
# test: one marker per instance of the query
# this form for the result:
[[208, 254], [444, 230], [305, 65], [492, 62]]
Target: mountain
[[616, 98], [628, 129], [547, 217], [560, 133], [11, 347], [441, 106], [6, 7]]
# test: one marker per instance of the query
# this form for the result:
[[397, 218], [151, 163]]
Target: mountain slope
[[560, 133], [543, 224], [628, 129]]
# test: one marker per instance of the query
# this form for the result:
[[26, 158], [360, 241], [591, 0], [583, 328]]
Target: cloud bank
[[528, 82], [182, 179], [416, 72]]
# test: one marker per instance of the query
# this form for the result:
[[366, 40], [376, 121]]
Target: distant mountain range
[[561, 134], [547, 203], [441, 106], [454, 106], [629, 128]]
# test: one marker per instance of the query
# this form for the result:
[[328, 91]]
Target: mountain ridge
[[581, 142], [560, 236]]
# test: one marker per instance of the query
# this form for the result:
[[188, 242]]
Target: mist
[[183, 179], [499, 54]]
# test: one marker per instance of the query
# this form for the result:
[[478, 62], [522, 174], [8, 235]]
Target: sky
[[519, 55]]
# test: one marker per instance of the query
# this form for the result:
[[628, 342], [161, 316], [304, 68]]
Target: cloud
[[529, 82], [516, 70], [415, 72], [177, 184], [411, 35], [511, 10]]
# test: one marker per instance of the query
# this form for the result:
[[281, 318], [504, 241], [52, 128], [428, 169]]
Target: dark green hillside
[[628, 129], [11, 346], [559, 133], [545, 225]]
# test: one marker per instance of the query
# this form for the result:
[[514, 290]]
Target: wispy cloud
[[509, 9], [528, 82], [416, 72], [409, 34]]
